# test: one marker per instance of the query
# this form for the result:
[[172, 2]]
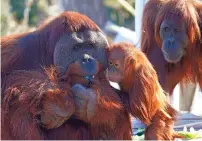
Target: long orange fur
[[189, 68], [147, 100]]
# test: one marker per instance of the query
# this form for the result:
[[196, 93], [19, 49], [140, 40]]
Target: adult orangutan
[[41, 105], [172, 52], [198, 50], [76, 47], [145, 98]]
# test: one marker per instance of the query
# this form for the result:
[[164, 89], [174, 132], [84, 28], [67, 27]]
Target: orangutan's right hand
[[57, 107], [85, 100]]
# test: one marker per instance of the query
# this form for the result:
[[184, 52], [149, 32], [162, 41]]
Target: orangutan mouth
[[89, 78]]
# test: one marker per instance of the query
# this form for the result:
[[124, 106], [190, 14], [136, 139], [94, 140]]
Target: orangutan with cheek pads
[[144, 98]]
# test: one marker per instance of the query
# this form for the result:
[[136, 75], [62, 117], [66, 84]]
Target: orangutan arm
[[161, 127], [57, 107], [101, 107], [94, 103], [29, 102], [115, 116], [17, 121]]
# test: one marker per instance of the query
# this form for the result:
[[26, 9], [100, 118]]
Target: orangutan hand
[[57, 107], [85, 102]]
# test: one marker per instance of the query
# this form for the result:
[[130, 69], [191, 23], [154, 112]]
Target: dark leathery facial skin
[[174, 40], [72, 47]]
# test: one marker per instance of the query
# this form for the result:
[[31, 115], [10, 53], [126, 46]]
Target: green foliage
[[117, 14], [3, 24], [18, 7], [138, 138], [115, 5], [4, 17], [186, 134], [190, 135], [140, 132]]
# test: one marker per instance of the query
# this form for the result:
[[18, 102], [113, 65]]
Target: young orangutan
[[145, 98]]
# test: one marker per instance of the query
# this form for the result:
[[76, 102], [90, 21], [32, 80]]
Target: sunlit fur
[[111, 120], [111, 116], [45, 37], [186, 12], [146, 97], [24, 93], [188, 68], [198, 50]]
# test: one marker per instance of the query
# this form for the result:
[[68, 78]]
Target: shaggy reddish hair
[[186, 12], [188, 68]]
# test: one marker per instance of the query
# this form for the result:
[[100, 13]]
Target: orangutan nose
[[86, 58], [171, 40]]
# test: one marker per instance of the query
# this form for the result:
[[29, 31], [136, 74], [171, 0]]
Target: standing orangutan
[[172, 52], [198, 50], [146, 99], [76, 47]]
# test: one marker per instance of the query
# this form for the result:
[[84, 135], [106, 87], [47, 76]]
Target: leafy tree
[[18, 7]]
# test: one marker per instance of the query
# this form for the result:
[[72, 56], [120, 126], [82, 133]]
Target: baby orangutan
[[144, 98]]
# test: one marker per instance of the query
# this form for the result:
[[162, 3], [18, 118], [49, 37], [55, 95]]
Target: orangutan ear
[[132, 61]]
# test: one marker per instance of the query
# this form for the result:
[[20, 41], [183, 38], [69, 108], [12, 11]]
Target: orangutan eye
[[110, 63], [90, 45], [176, 30], [116, 65], [76, 47], [167, 29]]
